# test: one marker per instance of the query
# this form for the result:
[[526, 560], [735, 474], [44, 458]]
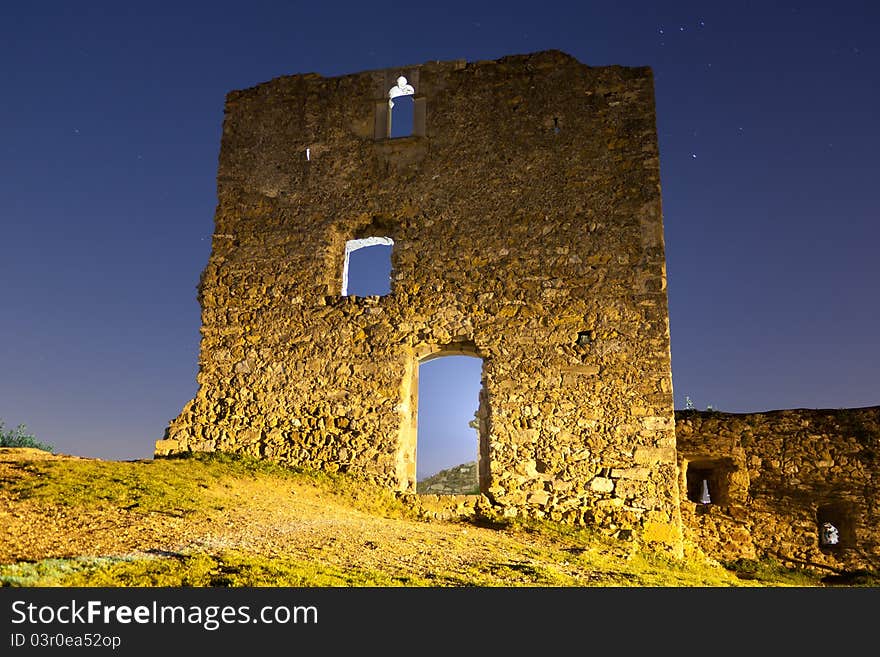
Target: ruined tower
[[523, 209]]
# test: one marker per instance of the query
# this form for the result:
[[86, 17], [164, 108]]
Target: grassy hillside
[[217, 520]]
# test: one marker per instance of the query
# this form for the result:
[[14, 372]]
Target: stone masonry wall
[[526, 219], [775, 476]]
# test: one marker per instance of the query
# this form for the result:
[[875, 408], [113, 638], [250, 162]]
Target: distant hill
[[458, 480]]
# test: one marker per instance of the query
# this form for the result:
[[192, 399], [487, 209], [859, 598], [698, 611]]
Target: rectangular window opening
[[402, 117], [366, 271], [708, 481]]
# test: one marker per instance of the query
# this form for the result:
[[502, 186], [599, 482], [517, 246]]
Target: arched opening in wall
[[402, 117], [367, 268], [452, 425], [401, 109], [835, 526], [708, 481]]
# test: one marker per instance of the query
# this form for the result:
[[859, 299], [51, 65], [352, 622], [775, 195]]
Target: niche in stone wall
[[835, 525], [708, 481]]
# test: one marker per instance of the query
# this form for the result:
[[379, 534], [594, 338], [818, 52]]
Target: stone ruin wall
[[775, 476], [526, 219]]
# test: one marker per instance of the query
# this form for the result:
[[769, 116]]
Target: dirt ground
[[295, 521]]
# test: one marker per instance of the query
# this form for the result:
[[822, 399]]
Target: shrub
[[20, 437]]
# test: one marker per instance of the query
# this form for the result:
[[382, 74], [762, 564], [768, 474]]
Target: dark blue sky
[[110, 117]]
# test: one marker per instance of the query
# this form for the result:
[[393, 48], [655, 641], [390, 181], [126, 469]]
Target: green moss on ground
[[534, 553]]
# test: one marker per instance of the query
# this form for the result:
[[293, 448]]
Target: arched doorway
[[447, 441]]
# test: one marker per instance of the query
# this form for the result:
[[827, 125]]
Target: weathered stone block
[[602, 485], [166, 447], [628, 489], [653, 455], [640, 474], [539, 497]]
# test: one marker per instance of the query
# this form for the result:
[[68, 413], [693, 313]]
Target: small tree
[[20, 437]]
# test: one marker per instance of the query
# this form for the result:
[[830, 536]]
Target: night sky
[[110, 120]]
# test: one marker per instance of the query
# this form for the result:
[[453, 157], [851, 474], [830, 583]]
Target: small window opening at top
[[401, 109], [367, 268]]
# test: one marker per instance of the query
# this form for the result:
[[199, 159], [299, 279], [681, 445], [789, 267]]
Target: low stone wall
[[449, 507], [773, 478]]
